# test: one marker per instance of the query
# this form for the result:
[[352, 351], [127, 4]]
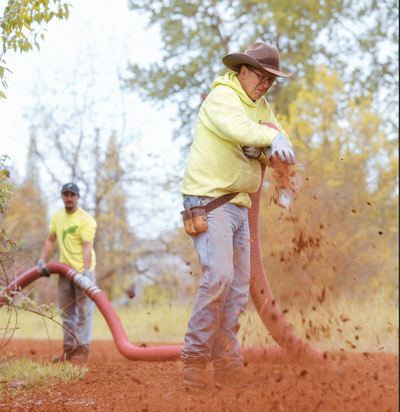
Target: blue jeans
[[78, 308], [224, 254]]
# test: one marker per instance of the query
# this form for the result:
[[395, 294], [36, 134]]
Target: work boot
[[194, 375], [81, 354], [240, 378], [66, 356]]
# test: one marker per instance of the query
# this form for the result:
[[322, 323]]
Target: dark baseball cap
[[70, 187]]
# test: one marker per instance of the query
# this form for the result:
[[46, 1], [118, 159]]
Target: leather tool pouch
[[195, 218]]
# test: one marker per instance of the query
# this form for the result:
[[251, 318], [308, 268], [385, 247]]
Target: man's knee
[[85, 307], [218, 288]]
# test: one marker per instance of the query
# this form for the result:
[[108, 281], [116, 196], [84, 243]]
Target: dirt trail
[[351, 382]]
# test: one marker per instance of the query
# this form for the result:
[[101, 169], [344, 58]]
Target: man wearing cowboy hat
[[229, 144]]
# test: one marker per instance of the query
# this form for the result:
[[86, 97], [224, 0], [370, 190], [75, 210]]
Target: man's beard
[[69, 208]]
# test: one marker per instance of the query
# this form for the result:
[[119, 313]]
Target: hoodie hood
[[230, 79]]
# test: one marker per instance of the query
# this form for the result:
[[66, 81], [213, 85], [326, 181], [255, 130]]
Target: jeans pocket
[[190, 201], [205, 199]]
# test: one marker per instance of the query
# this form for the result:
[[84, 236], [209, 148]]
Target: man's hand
[[42, 268], [253, 152], [86, 272], [281, 149]]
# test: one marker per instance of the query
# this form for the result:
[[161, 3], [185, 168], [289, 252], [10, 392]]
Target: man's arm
[[46, 252], [223, 114], [281, 150], [87, 257], [48, 246]]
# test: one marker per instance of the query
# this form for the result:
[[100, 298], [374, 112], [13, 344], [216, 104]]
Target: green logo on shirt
[[65, 233]]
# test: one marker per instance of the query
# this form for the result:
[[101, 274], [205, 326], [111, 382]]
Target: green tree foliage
[[197, 34], [26, 16]]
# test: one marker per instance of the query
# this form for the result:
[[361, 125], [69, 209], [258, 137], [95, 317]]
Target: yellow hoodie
[[228, 119]]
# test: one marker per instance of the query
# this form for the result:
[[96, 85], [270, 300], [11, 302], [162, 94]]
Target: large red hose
[[160, 353], [263, 298], [260, 292]]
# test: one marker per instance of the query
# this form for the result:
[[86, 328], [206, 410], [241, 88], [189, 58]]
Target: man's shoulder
[[222, 88], [86, 216], [221, 93]]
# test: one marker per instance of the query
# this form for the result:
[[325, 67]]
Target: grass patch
[[66, 372], [370, 325], [39, 375], [354, 325]]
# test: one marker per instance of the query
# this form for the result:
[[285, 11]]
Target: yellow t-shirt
[[71, 231]]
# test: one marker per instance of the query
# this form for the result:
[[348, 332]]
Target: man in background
[[75, 230]]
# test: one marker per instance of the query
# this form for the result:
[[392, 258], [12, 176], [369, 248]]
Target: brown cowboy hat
[[259, 55]]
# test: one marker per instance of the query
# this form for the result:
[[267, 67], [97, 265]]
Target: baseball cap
[[70, 187]]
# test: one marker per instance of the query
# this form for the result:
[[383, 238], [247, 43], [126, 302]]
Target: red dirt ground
[[349, 382]]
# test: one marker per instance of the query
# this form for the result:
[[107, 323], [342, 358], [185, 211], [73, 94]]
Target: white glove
[[281, 148], [254, 152], [43, 270]]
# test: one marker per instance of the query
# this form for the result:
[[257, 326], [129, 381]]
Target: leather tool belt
[[195, 218]]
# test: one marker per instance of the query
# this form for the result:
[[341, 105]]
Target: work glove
[[281, 148], [42, 268], [253, 152]]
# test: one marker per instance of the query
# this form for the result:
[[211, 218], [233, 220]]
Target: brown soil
[[349, 382]]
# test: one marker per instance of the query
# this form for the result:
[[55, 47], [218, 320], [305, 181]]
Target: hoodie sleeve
[[223, 113]]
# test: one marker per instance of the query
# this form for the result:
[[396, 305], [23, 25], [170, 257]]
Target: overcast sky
[[100, 36]]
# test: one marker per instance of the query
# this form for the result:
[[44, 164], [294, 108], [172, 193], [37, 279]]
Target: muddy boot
[[194, 375], [66, 356], [240, 378], [81, 354]]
